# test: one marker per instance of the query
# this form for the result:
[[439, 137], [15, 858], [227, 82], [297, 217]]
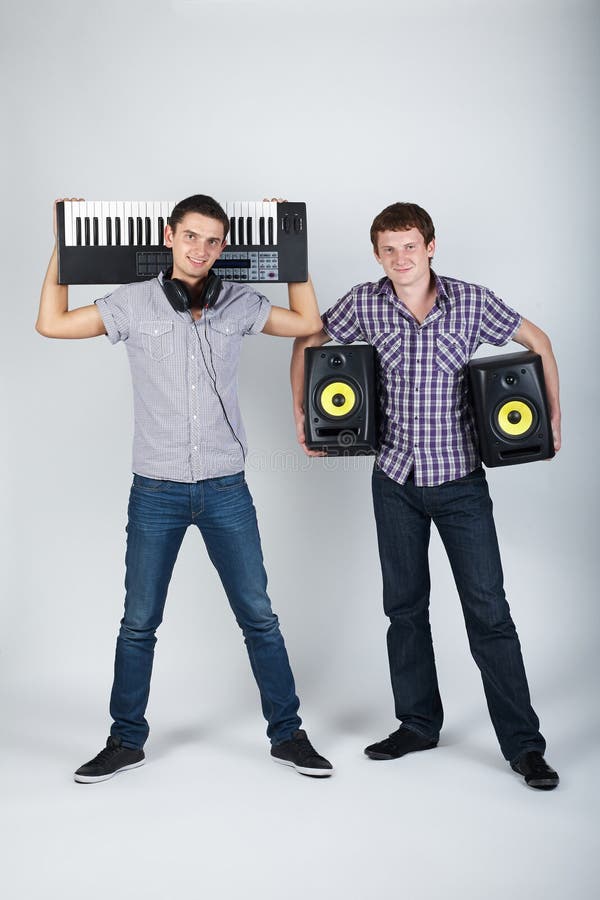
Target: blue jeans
[[158, 516], [462, 513]]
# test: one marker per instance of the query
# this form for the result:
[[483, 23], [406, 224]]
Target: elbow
[[542, 345], [311, 330], [42, 329], [45, 328]]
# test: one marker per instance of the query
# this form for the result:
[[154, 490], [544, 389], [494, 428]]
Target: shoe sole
[[540, 784], [304, 770], [92, 779]]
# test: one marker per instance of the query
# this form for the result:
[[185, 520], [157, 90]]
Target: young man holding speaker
[[424, 329], [183, 333]]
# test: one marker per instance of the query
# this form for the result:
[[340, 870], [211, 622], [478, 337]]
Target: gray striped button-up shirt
[[177, 367], [426, 421]]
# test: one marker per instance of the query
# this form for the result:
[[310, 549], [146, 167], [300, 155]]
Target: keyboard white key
[[69, 239], [86, 222], [120, 219]]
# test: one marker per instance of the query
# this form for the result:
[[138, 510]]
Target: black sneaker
[[109, 761], [398, 744], [536, 771], [300, 753]]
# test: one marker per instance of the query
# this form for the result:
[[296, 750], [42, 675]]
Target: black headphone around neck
[[178, 294]]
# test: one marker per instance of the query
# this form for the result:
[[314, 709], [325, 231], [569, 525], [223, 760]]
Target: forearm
[[303, 303], [297, 380], [297, 365], [297, 375], [532, 337]]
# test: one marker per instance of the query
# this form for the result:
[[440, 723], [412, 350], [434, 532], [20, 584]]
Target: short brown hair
[[401, 217], [202, 204]]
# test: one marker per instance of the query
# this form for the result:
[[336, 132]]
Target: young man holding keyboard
[[188, 463]]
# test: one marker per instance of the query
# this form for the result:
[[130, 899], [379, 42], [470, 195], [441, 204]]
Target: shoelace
[[538, 767], [304, 748], [108, 752]]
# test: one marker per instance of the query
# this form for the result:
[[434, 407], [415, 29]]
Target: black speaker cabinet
[[340, 399], [511, 410]]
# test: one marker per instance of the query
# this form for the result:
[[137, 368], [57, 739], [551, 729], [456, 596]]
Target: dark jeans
[[462, 513], [159, 514]]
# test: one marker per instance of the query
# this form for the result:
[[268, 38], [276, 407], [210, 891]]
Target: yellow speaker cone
[[515, 418], [337, 399]]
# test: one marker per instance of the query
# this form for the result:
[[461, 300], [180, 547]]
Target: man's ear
[[431, 249], [168, 236]]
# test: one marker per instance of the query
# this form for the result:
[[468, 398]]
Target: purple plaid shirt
[[426, 422]]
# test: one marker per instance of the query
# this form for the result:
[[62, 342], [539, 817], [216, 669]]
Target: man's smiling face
[[404, 256], [197, 241]]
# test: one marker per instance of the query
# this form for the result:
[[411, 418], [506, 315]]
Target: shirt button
[[155, 331], [193, 387], [195, 417], [195, 448], [193, 357]]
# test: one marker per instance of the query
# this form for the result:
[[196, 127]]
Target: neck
[[420, 293], [194, 285]]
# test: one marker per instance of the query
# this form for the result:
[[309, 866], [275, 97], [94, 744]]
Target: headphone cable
[[214, 378]]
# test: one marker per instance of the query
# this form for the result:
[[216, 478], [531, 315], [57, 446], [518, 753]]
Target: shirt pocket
[[225, 339], [157, 339], [450, 353], [389, 348]]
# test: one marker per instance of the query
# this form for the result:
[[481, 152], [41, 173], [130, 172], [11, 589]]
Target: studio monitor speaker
[[340, 399], [511, 409]]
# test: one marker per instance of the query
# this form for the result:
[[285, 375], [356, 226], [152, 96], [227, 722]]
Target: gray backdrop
[[485, 113]]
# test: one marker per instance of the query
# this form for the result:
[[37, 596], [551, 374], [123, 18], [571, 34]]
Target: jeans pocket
[[150, 485], [228, 482], [157, 338]]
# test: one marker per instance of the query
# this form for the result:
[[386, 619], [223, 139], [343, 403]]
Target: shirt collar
[[386, 289]]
